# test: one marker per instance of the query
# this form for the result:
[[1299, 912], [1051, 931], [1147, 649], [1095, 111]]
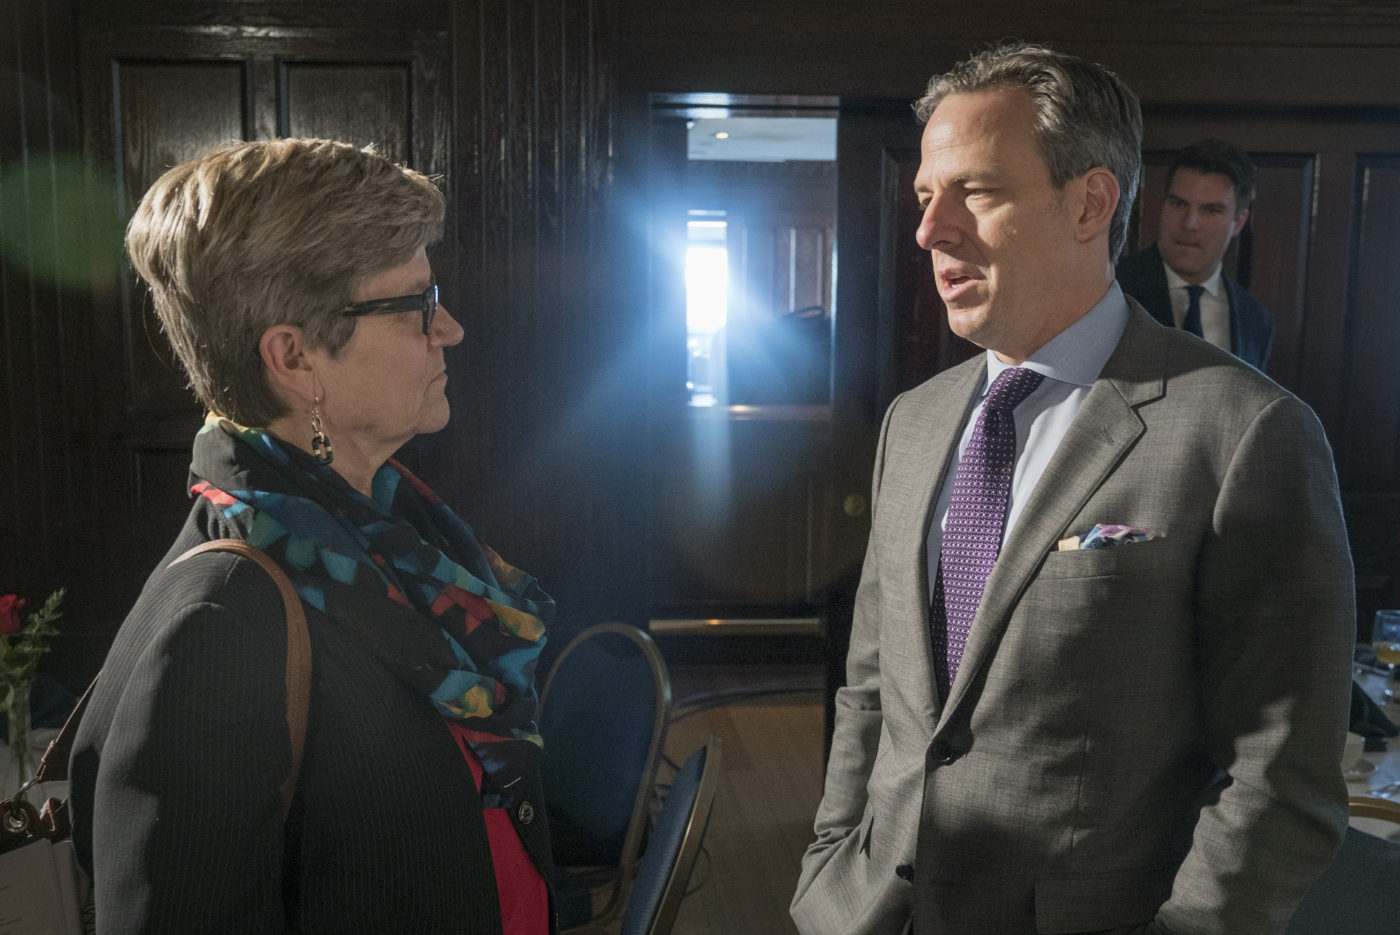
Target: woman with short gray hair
[[292, 279]]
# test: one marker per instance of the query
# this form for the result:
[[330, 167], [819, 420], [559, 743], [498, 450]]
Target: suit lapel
[[1233, 312], [1160, 298], [931, 449], [1102, 433]]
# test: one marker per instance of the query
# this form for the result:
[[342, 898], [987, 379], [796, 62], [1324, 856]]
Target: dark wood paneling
[[1372, 443], [1372, 521], [1273, 250], [51, 487], [165, 113], [267, 17], [737, 520], [1256, 51], [159, 475], [168, 112], [360, 104], [544, 402]]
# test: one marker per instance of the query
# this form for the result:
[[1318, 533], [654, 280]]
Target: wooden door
[[890, 334], [737, 489]]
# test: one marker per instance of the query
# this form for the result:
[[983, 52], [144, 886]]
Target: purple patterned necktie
[[976, 515]]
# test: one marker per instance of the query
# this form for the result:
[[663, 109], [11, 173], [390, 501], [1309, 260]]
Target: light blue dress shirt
[[1071, 362]]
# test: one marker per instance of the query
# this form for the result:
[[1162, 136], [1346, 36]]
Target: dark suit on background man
[[1143, 738], [1206, 203], [1251, 326]]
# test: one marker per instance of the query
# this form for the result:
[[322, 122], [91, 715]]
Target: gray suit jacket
[[1145, 736]]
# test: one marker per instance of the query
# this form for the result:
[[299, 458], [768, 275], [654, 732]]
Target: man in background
[[1210, 187], [1099, 668]]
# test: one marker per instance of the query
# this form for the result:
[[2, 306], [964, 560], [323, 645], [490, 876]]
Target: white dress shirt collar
[[1077, 354], [1215, 305], [1211, 285]]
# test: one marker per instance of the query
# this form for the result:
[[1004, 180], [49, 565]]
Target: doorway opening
[[742, 324]]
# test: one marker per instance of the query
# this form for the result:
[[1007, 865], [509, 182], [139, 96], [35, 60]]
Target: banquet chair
[[1366, 806], [671, 852], [1359, 894], [603, 716]]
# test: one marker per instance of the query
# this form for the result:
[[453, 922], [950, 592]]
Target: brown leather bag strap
[[298, 652], [52, 821], [18, 818], [54, 765]]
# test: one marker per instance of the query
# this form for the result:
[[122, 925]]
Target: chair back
[[603, 716], [1366, 806], [674, 845]]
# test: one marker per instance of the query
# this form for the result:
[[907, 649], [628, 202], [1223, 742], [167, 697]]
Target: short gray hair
[[1085, 116], [252, 235]]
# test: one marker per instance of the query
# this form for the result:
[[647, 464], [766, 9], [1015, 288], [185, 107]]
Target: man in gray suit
[[1140, 737]]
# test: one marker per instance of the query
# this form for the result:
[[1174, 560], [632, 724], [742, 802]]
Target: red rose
[[10, 619]]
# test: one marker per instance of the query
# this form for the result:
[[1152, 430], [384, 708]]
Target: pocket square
[[1104, 535]]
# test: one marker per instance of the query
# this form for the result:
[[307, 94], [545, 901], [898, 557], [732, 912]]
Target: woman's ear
[[290, 372]]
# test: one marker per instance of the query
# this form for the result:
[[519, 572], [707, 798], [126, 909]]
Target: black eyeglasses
[[425, 303]]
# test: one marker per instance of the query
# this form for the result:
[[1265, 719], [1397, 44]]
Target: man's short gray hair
[[1085, 117], [253, 235]]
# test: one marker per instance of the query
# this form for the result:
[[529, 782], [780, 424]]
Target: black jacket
[[179, 758], [1251, 326]]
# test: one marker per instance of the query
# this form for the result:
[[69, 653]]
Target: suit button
[[905, 872], [526, 813], [942, 753]]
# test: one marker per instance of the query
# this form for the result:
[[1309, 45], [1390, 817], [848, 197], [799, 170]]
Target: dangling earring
[[320, 444]]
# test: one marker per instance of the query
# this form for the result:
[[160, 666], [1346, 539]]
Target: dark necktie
[[1192, 321], [976, 516]]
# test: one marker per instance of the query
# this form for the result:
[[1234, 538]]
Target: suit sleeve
[[187, 831], [820, 904], [1275, 622]]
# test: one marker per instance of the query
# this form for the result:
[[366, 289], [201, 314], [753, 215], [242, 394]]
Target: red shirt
[[522, 891]]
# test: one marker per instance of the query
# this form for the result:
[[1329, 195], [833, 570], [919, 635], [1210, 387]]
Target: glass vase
[[21, 766]]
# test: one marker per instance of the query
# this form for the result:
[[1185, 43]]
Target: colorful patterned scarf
[[404, 574]]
